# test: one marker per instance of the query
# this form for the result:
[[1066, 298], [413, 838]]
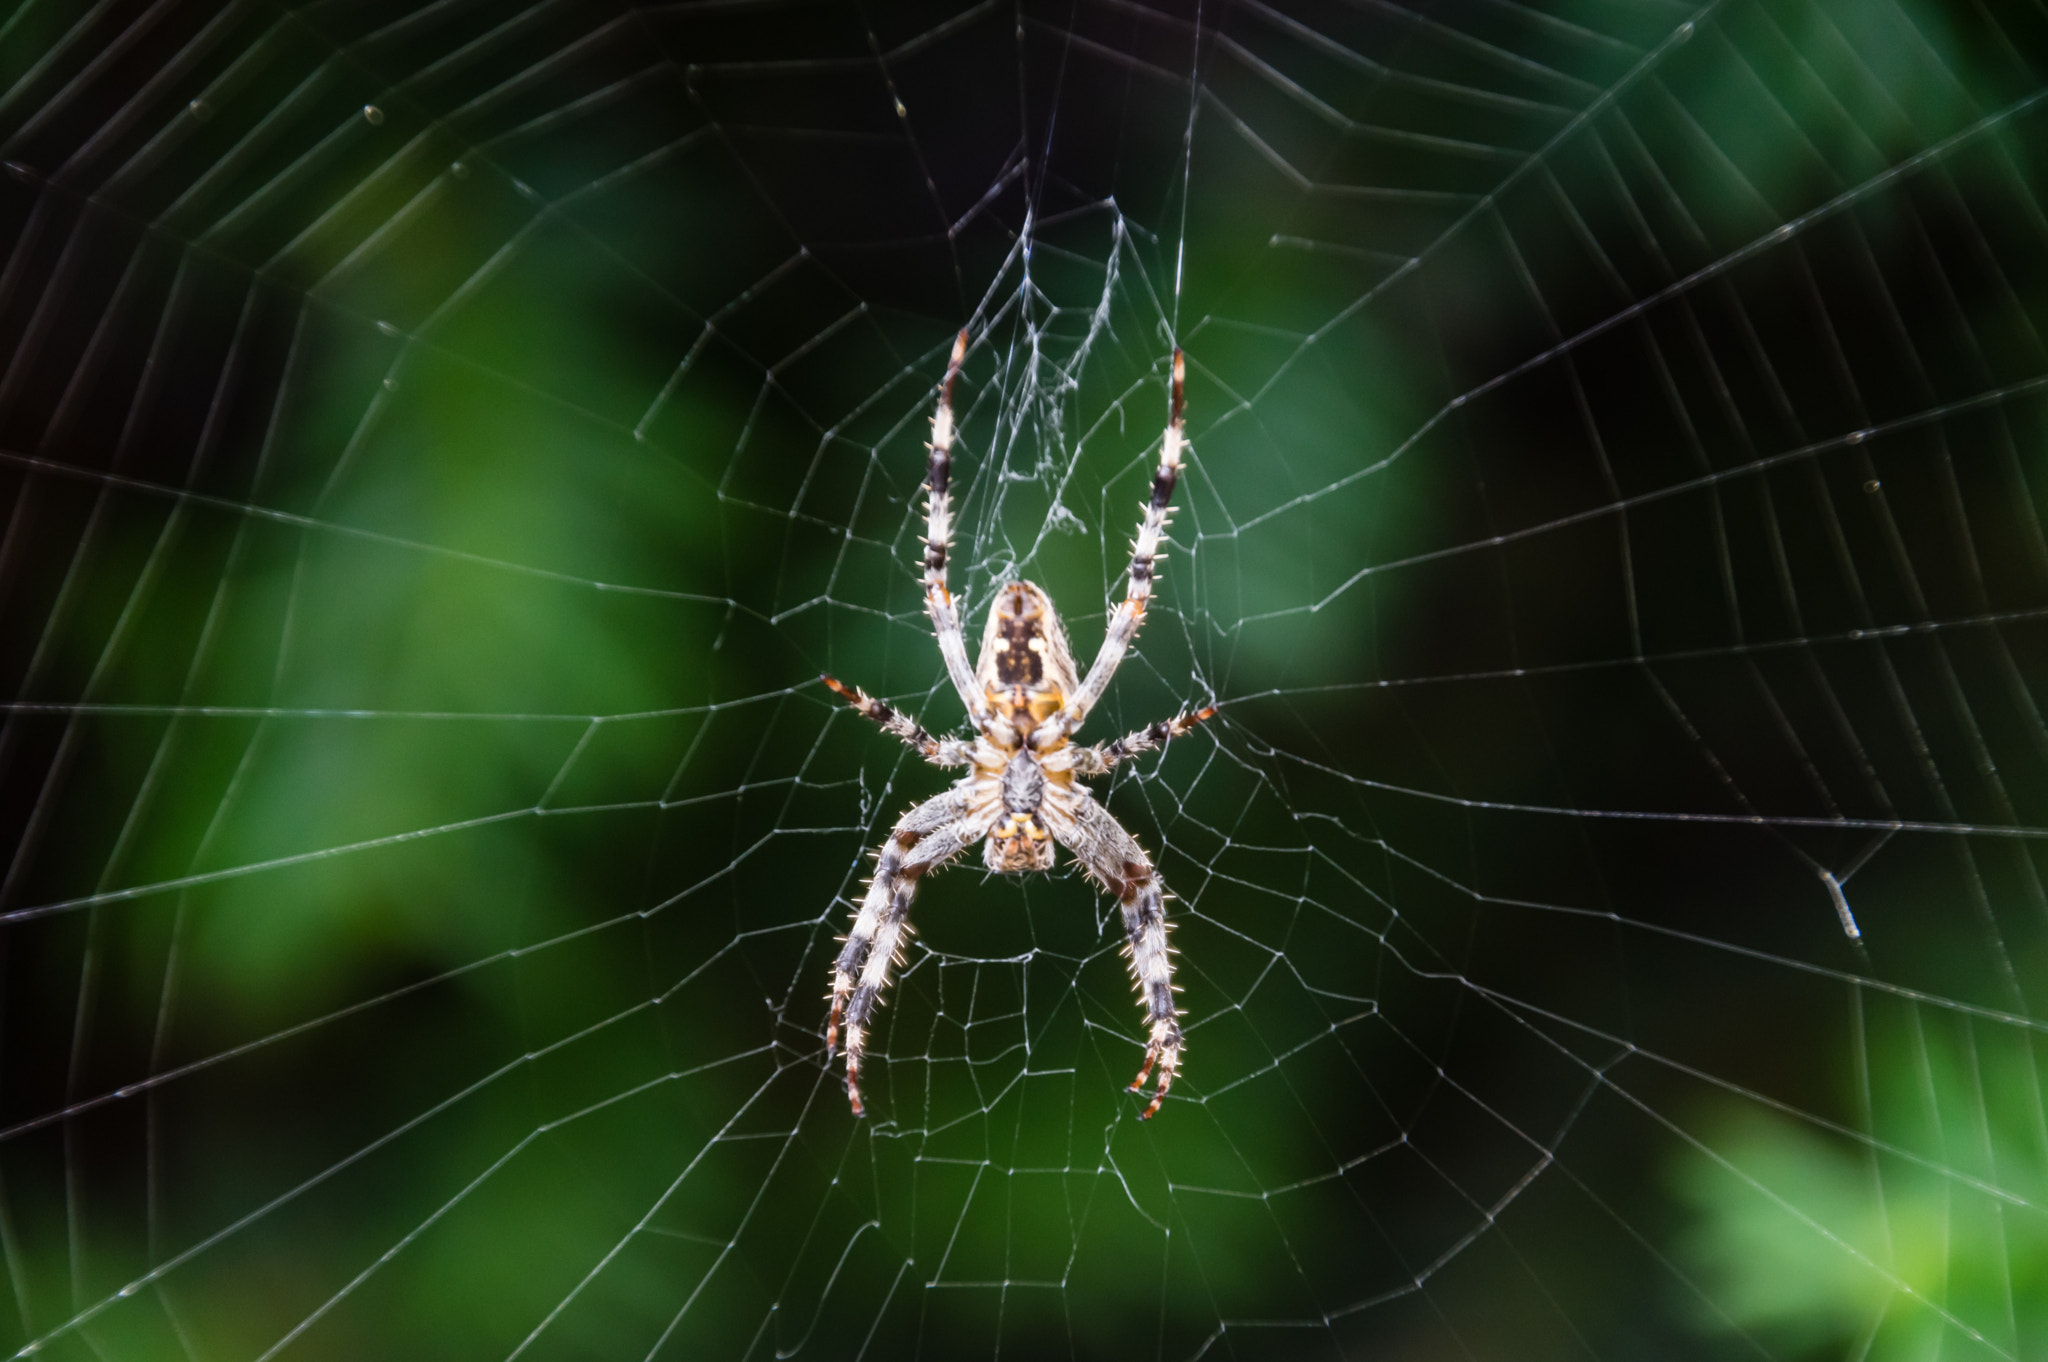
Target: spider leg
[[1130, 613], [938, 541], [1105, 757], [937, 751], [922, 840], [1113, 858]]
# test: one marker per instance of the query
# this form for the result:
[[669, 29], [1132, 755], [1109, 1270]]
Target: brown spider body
[[1026, 672], [1020, 797]]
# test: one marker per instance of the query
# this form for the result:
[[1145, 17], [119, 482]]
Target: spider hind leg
[[1145, 924], [923, 840], [1112, 858]]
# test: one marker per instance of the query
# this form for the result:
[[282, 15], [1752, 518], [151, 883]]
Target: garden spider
[[1020, 793]]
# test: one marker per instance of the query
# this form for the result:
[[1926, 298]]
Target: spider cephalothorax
[[1025, 700]]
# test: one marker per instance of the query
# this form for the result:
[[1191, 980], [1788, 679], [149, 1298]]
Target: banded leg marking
[[1105, 757], [1113, 859], [938, 542], [1125, 620], [1144, 905], [925, 838], [937, 751]]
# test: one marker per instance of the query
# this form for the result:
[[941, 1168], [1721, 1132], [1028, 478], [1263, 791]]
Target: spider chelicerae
[[1025, 700]]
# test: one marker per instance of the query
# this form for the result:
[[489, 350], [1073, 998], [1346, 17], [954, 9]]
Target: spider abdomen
[[1026, 669]]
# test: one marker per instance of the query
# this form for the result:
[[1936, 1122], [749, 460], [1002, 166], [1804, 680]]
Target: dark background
[[443, 444]]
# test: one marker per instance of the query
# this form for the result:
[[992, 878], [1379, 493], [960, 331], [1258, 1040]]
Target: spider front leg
[[937, 751], [1145, 556], [922, 840], [1113, 858], [938, 542]]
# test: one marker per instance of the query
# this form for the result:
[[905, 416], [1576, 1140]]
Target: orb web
[[446, 443]]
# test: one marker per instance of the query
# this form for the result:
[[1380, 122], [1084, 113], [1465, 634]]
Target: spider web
[[447, 441]]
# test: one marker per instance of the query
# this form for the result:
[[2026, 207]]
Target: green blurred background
[[444, 443]]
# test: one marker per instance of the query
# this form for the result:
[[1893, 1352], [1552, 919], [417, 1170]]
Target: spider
[[1025, 700]]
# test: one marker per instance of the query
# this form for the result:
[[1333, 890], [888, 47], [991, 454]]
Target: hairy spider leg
[[1105, 757], [897, 724], [938, 542], [1113, 858], [910, 829], [1145, 556], [924, 839]]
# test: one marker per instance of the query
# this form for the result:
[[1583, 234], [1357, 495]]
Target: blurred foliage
[[1930, 1233]]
